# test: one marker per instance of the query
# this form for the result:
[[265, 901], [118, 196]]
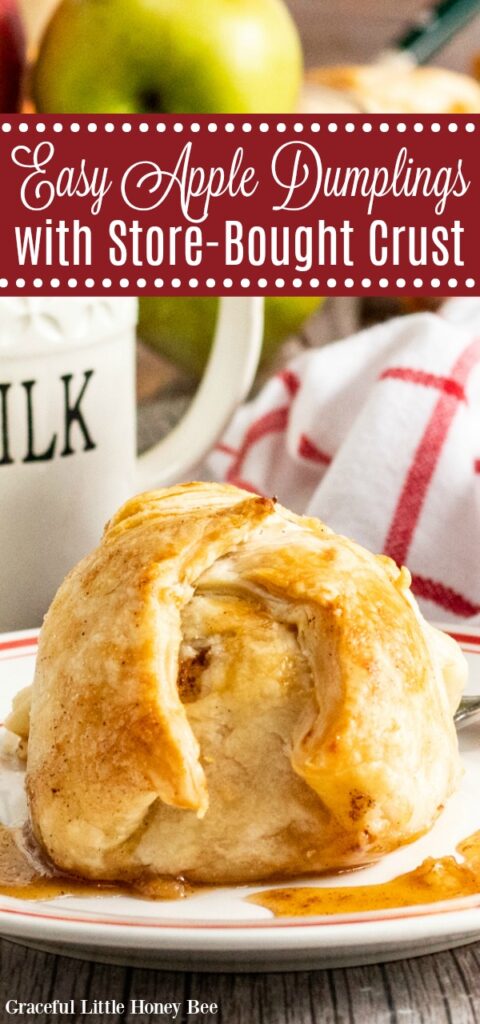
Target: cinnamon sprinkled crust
[[226, 691]]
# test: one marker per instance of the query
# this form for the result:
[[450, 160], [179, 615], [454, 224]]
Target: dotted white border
[[206, 124], [245, 283], [177, 126]]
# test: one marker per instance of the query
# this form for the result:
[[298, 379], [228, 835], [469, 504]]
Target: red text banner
[[218, 205]]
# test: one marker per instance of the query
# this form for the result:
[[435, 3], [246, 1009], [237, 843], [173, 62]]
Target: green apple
[[169, 56], [182, 328]]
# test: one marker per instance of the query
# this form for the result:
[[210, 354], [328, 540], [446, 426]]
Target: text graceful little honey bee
[[110, 1007]]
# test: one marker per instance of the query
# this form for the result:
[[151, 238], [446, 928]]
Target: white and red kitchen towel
[[379, 436]]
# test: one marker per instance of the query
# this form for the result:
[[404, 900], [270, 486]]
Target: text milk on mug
[[68, 430]]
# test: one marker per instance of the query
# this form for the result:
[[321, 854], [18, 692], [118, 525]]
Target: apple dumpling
[[388, 88], [227, 691]]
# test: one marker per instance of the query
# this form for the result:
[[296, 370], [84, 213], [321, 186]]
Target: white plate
[[218, 930]]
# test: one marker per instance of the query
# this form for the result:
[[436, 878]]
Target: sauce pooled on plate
[[436, 879]]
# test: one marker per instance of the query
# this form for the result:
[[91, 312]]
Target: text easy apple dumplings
[[227, 691]]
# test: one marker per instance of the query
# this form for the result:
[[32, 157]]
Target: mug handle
[[228, 377]]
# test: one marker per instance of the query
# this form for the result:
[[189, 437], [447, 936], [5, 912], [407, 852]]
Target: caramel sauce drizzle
[[436, 879], [25, 876]]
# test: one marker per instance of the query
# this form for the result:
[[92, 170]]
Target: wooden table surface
[[439, 989]]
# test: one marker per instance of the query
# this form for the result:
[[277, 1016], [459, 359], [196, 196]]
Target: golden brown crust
[[229, 691], [394, 88]]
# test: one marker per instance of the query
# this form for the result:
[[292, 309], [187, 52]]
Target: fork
[[468, 711]]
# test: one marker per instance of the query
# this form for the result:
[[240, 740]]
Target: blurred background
[[336, 31]]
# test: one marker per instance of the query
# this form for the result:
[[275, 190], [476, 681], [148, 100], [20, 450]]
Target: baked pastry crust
[[390, 89], [227, 691]]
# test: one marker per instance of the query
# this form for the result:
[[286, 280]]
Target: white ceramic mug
[[68, 430]]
